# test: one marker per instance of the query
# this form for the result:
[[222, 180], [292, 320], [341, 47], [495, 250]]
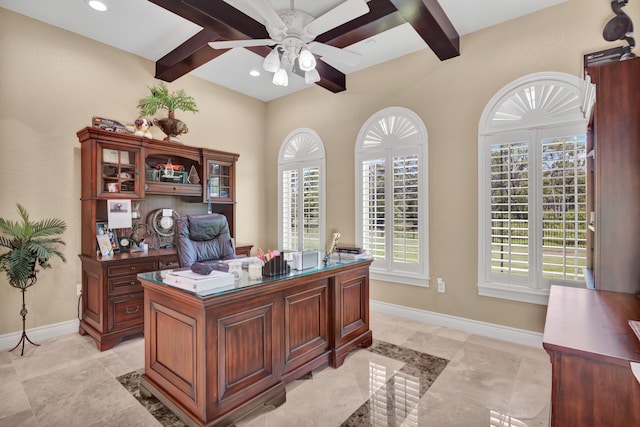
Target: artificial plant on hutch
[[162, 99], [30, 244]]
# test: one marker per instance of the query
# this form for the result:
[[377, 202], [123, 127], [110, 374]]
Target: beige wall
[[449, 97], [52, 82]]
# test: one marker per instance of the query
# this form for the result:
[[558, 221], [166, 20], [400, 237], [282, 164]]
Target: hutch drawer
[[126, 311]]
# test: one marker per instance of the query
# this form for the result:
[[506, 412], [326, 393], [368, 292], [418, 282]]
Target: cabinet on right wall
[[615, 177]]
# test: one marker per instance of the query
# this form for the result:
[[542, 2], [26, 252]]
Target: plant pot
[[171, 127]]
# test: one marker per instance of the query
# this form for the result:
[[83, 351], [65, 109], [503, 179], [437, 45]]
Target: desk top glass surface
[[243, 281]]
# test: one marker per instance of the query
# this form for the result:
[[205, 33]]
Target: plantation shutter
[[405, 236], [564, 207], [290, 210], [509, 189], [374, 208], [532, 187], [311, 208], [301, 192]]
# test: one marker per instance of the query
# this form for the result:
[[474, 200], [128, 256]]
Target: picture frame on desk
[[102, 228]]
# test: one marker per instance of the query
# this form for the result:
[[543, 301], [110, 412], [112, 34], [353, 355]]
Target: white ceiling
[[144, 29]]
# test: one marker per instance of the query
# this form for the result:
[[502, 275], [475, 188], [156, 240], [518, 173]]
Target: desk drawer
[[131, 268], [124, 285], [126, 311]]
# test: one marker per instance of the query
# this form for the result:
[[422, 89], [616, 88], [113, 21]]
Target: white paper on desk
[[197, 276], [244, 260], [635, 368], [119, 213]]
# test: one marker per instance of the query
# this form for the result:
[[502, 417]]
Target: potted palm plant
[[162, 99], [29, 245]]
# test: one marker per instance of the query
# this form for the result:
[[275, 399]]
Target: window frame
[[535, 127], [388, 270], [296, 156]]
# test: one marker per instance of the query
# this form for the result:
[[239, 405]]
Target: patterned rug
[[393, 402]]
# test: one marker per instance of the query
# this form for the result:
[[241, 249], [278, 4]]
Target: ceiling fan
[[293, 32]]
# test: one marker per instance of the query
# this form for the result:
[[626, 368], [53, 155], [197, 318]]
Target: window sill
[[406, 279], [514, 293]]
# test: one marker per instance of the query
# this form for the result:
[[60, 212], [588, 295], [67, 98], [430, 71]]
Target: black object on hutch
[[124, 166]]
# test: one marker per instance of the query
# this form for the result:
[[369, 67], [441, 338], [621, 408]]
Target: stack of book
[[194, 282], [346, 253], [349, 250]]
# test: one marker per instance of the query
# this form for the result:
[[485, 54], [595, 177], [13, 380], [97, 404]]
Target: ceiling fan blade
[[269, 14], [344, 12], [332, 52], [228, 44]]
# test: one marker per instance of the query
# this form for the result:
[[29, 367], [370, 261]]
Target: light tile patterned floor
[[486, 383]]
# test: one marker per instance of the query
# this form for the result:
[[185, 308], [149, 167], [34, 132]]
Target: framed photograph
[[102, 229]]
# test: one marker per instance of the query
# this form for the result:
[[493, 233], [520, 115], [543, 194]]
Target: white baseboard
[[505, 333], [40, 333]]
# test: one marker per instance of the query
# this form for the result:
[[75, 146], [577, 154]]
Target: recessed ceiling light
[[98, 5], [254, 73]]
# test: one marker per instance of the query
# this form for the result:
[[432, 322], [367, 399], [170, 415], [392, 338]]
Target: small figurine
[[142, 128]]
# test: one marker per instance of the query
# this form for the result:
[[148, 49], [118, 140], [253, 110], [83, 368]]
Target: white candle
[[255, 270]]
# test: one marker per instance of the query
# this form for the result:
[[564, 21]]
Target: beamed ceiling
[[175, 34], [221, 21]]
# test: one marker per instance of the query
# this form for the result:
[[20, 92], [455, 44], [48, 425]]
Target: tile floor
[[486, 383]]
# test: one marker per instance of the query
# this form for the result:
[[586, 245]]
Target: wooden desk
[[591, 344], [212, 359]]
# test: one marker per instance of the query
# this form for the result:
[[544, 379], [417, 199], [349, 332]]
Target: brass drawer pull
[[133, 268], [126, 309]]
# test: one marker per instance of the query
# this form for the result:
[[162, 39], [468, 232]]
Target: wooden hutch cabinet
[[615, 177], [586, 333], [157, 177]]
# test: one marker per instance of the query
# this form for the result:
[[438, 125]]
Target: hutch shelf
[[162, 180]]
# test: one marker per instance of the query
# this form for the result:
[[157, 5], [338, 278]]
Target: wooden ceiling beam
[[188, 56], [218, 17], [382, 16], [432, 24]]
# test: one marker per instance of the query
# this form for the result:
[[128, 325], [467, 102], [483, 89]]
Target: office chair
[[201, 238]]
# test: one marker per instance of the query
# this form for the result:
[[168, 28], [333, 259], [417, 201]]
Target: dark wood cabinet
[[156, 175], [112, 303], [615, 177], [586, 333], [591, 346]]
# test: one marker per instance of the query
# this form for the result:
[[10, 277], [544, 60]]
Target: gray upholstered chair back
[[203, 238]]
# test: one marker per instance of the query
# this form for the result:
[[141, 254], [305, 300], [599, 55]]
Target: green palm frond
[[162, 99], [30, 244]]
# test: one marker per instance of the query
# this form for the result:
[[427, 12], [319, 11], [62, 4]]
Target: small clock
[[166, 222], [125, 243]]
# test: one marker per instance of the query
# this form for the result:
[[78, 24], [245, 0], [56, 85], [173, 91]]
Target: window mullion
[[388, 209], [535, 210]]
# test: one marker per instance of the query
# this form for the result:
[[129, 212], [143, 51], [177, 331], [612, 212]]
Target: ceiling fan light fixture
[[311, 76], [280, 78], [272, 61], [306, 60]]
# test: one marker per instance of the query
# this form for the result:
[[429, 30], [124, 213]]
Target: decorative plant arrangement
[[30, 244], [162, 99]]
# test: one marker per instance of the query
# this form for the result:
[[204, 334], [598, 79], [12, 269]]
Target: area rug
[[390, 405]]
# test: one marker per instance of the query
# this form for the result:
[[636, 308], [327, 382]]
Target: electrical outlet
[[441, 285], [79, 289]]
